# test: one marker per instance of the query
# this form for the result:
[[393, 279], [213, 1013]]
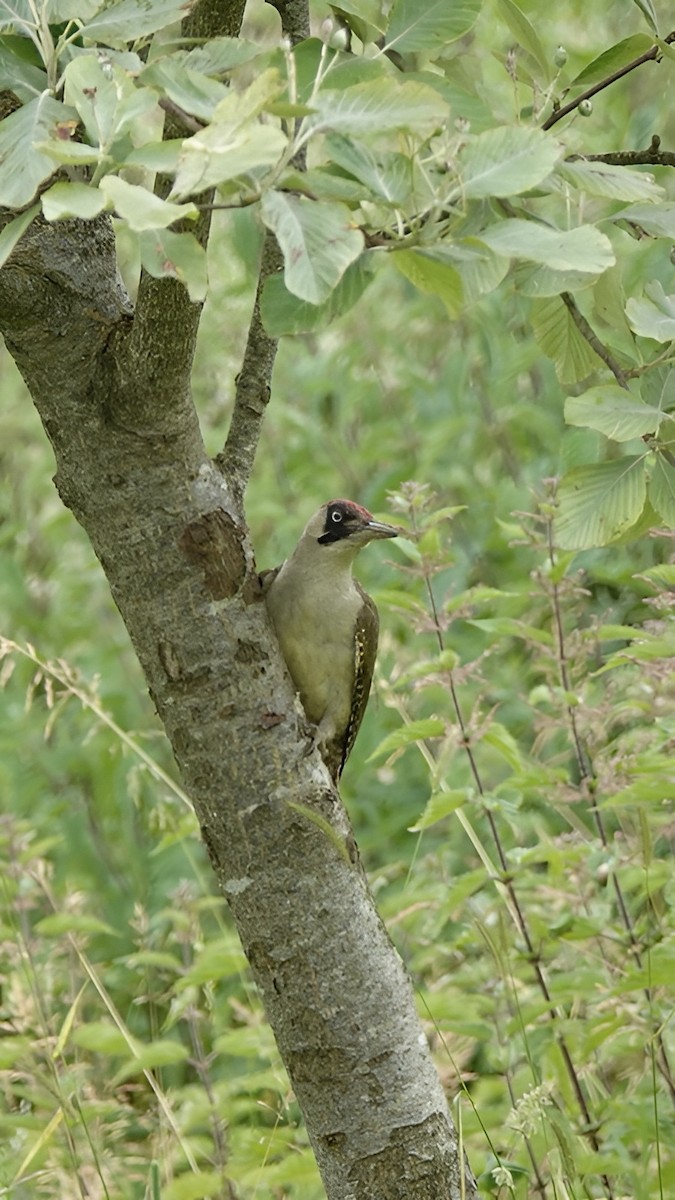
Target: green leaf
[[364, 17], [191, 90], [654, 315], [615, 182], [14, 230], [611, 60], [506, 161], [220, 55], [526, 36], [414, 731], [102, 1037], [65, 200], [560, 339], [657, 219], [178, 256], [538, 281], [582, 249], [140, 208], [647, 9], [318, 241], [419, 26], [118, 24], [234, 144], [600, 502], [511, 627], [388, 175], [59, 923], [439, 805], [479, 269], [106, 99], [22, 167], [283, 313], [662, 490], [198, 1185], [433, 273], [613, 411], [165, 1052], [219, 959], [377, 106], [17, 74]]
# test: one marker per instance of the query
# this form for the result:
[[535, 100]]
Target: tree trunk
[[113, 394]]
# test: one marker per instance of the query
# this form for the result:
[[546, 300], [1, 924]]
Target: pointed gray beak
[[377, 529]]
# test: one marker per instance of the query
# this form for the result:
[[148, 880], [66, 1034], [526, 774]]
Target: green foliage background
[[133, 1036]]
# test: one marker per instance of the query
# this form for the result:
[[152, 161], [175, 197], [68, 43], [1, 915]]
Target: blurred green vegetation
[[117, 956]]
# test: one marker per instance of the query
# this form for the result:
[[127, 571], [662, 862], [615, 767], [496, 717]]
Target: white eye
[[336, 517]]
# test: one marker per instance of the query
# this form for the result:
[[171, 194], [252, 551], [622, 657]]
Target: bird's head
[[346, 526]]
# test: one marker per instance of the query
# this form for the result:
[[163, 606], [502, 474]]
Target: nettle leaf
[[654, 315], [611, 60], [140, 208], [613, 411], [177, 256], [526, 36], [439, 805], [505, 161], [283, 313], [657, 219], [433, 273], [560, 339], [22, 166], [14, 230], [318, 241], [377, 106], [416, 27], [615, 182], [582, 249], [599, 503], [65, 200], [118, 24], [406, 735], [661, 490]]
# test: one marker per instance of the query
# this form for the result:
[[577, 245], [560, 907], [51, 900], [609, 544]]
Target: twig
[[592, 338], [253, 383], [174, 110], [649, 56]]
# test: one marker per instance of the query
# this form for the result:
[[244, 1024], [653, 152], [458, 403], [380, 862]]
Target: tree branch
[[649, 56], [654, 156], [592, 338], [253, 382]]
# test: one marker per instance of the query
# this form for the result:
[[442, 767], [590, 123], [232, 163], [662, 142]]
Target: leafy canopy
[[405, 162]]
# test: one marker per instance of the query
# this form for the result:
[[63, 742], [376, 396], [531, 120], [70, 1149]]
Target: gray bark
[[113, 393]]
